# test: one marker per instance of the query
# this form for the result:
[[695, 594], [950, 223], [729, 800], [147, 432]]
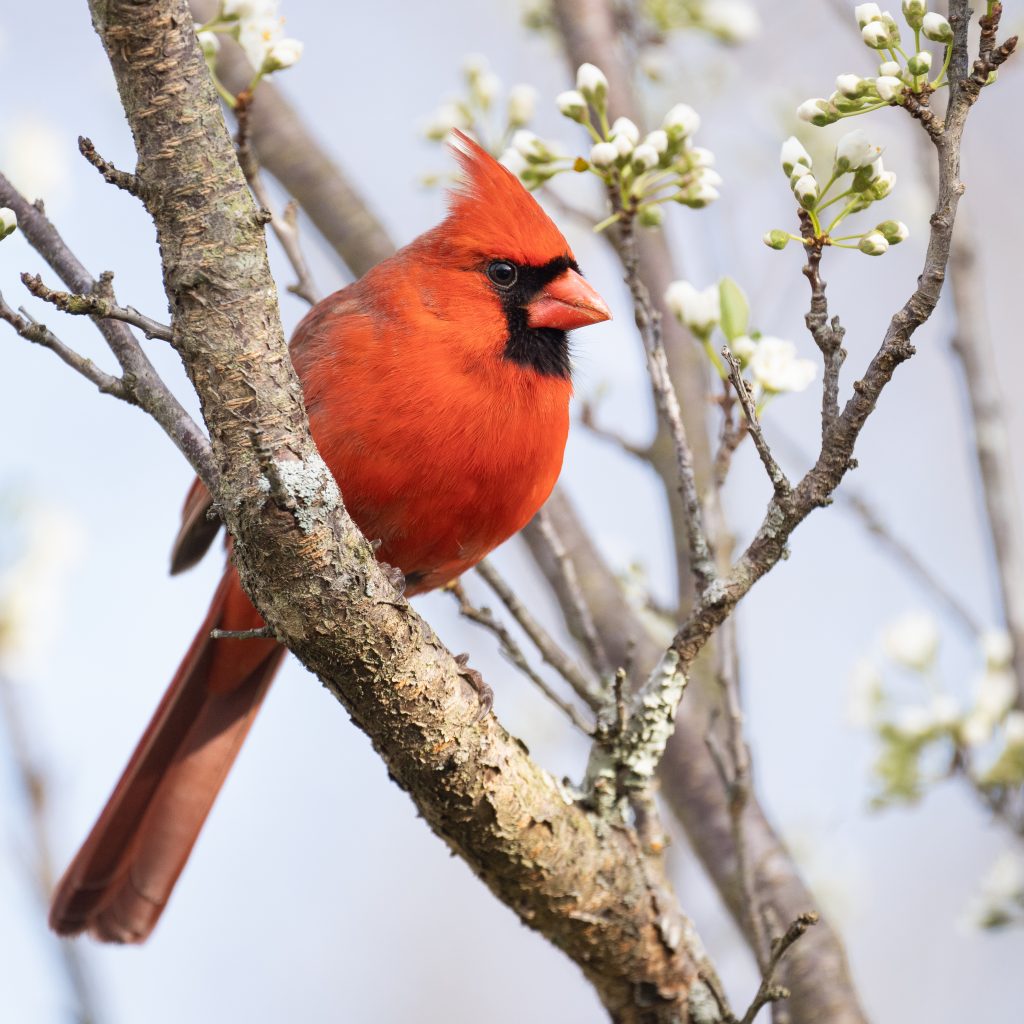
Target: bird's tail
[[120, 881]]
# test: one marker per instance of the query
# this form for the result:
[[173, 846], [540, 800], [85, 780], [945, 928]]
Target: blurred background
[[315, 892]]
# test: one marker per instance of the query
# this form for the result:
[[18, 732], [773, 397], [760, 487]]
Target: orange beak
[[566, 303]]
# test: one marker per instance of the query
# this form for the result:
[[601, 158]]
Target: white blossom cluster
[[858, 179], [8, 221], [477, 111], [772, 363], [258, 28], [1000, 900], [900, 71], [731, 21], [933, 727], [643, 172]]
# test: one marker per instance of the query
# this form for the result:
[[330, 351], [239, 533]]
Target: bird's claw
[[484, 692]]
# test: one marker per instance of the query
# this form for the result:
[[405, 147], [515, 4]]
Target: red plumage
[[445, 430]]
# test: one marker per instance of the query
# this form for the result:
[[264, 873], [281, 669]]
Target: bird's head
[[510, 261]]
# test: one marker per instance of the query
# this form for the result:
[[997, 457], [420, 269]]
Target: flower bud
[[865, 13], [806, 191], [776, 368], [894, 231], [658, 139], [622, 126], [572, 105], [874, 244], [798, 171], [8, 221], [590, 81], [936, 28], [700, 157], [698, 196], [793, 153], [522, 104], [875, 34], [894, 30], [650, 216], [744, 347], [209, 43], [283, 54], [733, 21], [530, 146], [851, 86], [882, 185], [700, 311], [707, 176], [776, 239], [603, 154], [920, 63], [855, 150], [817, 112], [889, 88], [681, 121], [474, 65], [623, 145], [645, 157], [514, 161], [890, 68], [914, 11], [443, 120]]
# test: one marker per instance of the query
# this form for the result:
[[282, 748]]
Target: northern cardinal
[[438, 394]]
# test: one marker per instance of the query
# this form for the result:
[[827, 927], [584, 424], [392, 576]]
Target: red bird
[[438, 394]]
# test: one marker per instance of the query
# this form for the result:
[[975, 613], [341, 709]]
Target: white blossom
[[976, 729], [514, 161], [645, 157], [888, 87], [485, 88], [777, 368], [893, 231], [8, 221], [793, 153], [883, 184], [936, 28], [1013, 727], [875, 34], [698, 310], [913, 639], [850, 86], [944, 711], [866, 693], [623, 145], [447, 117], [914, 11], [855, 150], [708, 176], [700, 157], [890, 68], [591, 81], [530, 145], [282, 54], [920, 63], [572, 104], [867, 12], [997, 648], [817, 112], [658, 140], [994, 693], [522, 104], [743, 348], [681, 121], [603, 154], [913, 721], [474, 65], [699, 195], [735, 21], [622, 126]]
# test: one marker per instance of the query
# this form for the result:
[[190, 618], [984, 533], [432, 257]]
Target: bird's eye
[[502, 273]]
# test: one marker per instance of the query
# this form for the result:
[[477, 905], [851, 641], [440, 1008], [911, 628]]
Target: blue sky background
[[315, 892]]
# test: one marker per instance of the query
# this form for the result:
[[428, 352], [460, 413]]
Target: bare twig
[[779, 480], [483, 616], [285, 226], [34, 785], [147, 389], [769, 992], [259, 633], [593, 647], [648, 322], [40, 334], [111, 175], [584, 685], [96, 305]]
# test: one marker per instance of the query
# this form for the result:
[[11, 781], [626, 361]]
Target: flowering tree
[[582, 863]]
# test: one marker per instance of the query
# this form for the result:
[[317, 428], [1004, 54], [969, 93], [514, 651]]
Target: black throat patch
[[543, 349]]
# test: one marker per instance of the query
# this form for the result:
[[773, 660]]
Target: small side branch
[[584, 686], [111, 175], [769, 992], [259, 633], [40, 334], [96, 305], [780, 482], [483, 616]]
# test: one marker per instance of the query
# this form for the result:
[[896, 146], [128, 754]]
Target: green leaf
[[735, 309]]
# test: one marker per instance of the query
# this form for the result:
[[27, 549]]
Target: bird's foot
[[484, 692]]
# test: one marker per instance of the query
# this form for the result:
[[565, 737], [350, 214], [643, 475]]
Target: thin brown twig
[[40, 334], [483, 616], [768, 991], [593, 647], [285, 226], [96, 305], [584, 685], [780, 482]]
